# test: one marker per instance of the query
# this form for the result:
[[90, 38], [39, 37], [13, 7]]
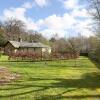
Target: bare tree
[[13, 28], [73, 47], [95, 13]]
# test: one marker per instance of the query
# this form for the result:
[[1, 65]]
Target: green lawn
[[52, 80]]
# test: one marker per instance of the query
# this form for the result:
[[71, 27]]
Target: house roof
[[17, 44]]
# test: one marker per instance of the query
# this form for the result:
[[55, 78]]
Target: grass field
[[52, 80]]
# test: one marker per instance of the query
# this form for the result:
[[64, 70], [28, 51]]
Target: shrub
[[24, 55]]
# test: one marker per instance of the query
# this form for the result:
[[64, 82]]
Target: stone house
[[14, 46]]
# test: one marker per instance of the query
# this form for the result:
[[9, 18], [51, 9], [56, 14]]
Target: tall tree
[[2, 36], [13, 28], [95, 12]]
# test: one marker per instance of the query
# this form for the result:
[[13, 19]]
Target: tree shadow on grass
[[76, 97], [89, 81], [97, 64]]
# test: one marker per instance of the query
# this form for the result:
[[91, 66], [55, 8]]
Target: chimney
[[20, 39]]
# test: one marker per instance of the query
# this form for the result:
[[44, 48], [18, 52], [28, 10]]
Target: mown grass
[[52, 80]]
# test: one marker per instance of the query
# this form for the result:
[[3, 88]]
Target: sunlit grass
[[53, 80]]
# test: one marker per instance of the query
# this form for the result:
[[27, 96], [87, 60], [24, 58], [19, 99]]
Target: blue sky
[[49, 17]]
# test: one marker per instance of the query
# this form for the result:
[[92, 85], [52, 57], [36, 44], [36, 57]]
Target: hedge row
[[36, 55]]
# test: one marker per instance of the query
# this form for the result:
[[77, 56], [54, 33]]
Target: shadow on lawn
[[88, 81], [75, 97], [97, 64]]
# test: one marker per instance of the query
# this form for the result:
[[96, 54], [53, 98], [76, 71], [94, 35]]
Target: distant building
[[14, 46]]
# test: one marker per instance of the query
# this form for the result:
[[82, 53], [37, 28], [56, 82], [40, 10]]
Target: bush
[[25, 55], [65, 55], [95, 53]]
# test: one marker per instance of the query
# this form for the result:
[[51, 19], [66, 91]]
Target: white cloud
[[19, 13], [27, 5], [62, 24], [70, 4], [80, 13], [84, 27], [53, 24], [50, 32], [41, 3], [15, 13]]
